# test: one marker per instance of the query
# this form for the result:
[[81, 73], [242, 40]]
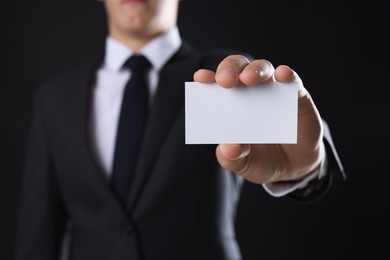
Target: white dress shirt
[[107, 97], [110, 84]]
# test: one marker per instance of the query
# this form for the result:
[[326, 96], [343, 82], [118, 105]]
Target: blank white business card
[[261, 114]]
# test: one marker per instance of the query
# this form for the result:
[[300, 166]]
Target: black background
[[339, 48]]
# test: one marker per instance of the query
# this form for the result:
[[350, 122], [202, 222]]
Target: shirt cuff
[[282, 188]]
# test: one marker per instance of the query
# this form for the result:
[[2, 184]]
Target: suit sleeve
[[41, 216], [334, 170]]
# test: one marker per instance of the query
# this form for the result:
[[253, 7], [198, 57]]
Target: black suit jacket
[[181, 205]]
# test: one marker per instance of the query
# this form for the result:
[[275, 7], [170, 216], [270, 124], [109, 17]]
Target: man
[[182, 199]]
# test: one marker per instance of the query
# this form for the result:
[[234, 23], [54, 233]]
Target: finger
[[309, 119], [284, 73], [232, 157], [229, 69], [257, 71], [204, 76]]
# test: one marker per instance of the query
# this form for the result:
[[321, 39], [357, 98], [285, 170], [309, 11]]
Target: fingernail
[[244, 153]]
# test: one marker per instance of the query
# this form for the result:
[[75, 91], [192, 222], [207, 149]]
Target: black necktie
[[131, 124]]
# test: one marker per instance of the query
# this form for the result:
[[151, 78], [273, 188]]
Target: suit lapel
[[167, 105], [78, 111]]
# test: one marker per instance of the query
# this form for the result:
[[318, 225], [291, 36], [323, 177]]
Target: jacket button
[[128, 228]]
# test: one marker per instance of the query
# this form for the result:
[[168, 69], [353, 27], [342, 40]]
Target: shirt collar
[[158, 51]]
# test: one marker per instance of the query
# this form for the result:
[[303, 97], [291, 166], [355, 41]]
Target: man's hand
[[264, 163]]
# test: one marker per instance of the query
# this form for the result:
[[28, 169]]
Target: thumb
[[232, 157]]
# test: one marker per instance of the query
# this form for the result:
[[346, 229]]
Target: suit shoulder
[[67, 81]]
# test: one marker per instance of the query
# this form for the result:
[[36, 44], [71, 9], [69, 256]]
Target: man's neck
[[135, 41]]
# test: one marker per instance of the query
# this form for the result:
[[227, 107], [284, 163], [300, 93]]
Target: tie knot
[[137, 63]]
